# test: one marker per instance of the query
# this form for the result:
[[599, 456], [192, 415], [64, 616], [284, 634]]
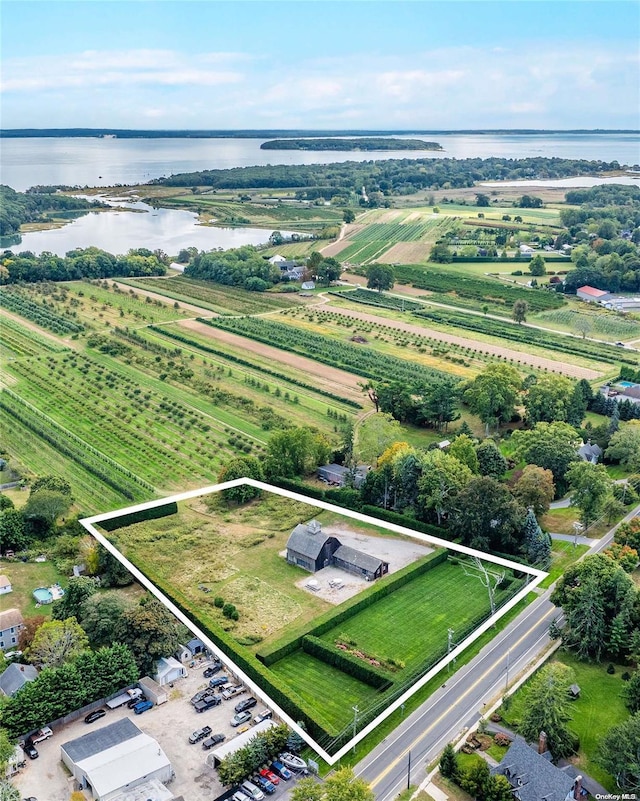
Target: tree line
[[17, 208]]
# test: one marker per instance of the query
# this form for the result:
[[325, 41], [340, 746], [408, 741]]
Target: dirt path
[[325, 377], [68, 342], [498, 350], [146, 293]]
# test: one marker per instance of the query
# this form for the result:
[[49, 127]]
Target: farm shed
[[169, 670], [5, 585], [153, 691], [339, 474], [361, 564], [114, 759], [309, 547], [196, 646], [592, 295], [224, 749], [15, 677]]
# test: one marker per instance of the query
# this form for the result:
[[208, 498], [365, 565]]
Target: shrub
[[610, 669], [218, 602]]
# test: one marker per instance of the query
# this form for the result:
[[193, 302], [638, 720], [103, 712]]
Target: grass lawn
[[25, 577], [599, 707], [560, 521], [563, 554]]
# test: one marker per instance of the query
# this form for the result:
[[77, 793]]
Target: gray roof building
[[100, 739], [357, 559], [15, 677], [590, 452], [533, 777]]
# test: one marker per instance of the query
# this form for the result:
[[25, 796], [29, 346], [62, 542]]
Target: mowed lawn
[[411, 623], [25, 577], [327, 690]]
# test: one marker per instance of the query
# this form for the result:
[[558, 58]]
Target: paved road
[[460, 701], [572, 538]]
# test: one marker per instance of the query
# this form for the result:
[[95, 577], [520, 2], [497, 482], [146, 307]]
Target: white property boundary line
[[537, 576]]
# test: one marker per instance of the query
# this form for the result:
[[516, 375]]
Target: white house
[[5, 585], [115, 759], [169, 670]]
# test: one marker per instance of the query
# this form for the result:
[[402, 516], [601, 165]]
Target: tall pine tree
[[536, 543]]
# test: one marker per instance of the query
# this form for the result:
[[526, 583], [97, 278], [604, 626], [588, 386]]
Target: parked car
[[213, 740], [240, 718], [255, 793], [41, 735], [240, 796], [207, 702], [219, 681], [237, 689], [133, 701], [293, 762], [266, 714], [212, 669], [199, 734], [265, 784], [142, 706], [30, 750], [248, 703], [279, 769], [265, 773], [95, 715]]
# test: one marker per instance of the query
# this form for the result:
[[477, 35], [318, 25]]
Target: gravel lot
[[47, 779]]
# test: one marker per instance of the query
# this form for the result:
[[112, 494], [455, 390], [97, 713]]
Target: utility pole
[[409, 772], [450, 634], [506, 683], [355, 724]]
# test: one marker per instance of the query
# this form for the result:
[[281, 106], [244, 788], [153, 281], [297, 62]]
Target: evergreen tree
[[547, 709], [536, 543], [449, 762]]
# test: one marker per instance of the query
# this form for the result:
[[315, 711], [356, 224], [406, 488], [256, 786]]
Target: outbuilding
[[592, 295], [153, 691], [359, 563], [5, 585], [116, 758], [215, 757], [169, 670], [309, 547]]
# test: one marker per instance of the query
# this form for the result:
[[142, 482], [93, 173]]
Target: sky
[[370, 64]]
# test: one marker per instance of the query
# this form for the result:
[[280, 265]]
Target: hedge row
[[401, 520], [263, 370], [275, 688], [347, 663], [154, 513], [329, 620]]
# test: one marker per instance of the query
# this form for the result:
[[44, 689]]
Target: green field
[[25, 577], [214, 297], [18, 341]]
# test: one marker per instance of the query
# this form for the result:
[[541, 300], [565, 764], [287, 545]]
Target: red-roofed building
[[592, 295]]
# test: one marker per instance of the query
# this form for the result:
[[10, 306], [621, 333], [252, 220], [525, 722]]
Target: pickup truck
[[41, 735], [124, 698], [200, 734], [237, 690], [207, 702], [142, 706]]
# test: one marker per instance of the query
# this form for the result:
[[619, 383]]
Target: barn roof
[[357, 558], [308, 539]]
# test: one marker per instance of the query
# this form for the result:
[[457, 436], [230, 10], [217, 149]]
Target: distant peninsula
[[361, 143]]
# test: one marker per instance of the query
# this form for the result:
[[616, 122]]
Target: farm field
[[236, 553], [214, 297], [601, 325], [18, 341]]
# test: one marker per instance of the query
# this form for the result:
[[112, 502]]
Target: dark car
[[207, 702], [199, 734], [212, 670], [279, 769], [142, 706], [95, 715], [213, 740], [134, 701], [264, 784], [219, 681], [30, 750], [248, 703]]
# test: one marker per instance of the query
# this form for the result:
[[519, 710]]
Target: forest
[[369, 143], [17, 208]]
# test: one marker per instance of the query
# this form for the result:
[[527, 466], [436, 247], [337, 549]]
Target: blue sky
[[315, 64]]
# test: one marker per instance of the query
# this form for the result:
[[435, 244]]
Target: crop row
[[166, 332], [224, 300], [607, 323], [528, 335], [16, 302], [91, 459], [370, 298], [477, 289], [20, 341], [353, 358]]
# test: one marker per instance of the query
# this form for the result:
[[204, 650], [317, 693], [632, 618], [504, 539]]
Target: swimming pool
[[43, 595], [627, 384]]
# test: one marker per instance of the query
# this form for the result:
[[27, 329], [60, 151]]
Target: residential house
[[15, 677], [340, 475], [590, 452], [5, 585], [533, 777], [11, 623]]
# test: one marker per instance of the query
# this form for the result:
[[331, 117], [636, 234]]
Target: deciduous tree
[[550, 445], [519, 311], [486, 516], [150, 631], [590, 486], [380, 277], [295, 452], [78, 590], [619, 753], [535, 489], [241, 467], [548, 399], [490, 461], [624, 446], [100, 617], [493, 394], [57, 642], [443, 476]]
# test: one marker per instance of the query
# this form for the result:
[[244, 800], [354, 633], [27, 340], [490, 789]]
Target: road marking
[[469, 689]]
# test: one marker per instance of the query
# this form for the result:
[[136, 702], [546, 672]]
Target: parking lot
[[47, 779]]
